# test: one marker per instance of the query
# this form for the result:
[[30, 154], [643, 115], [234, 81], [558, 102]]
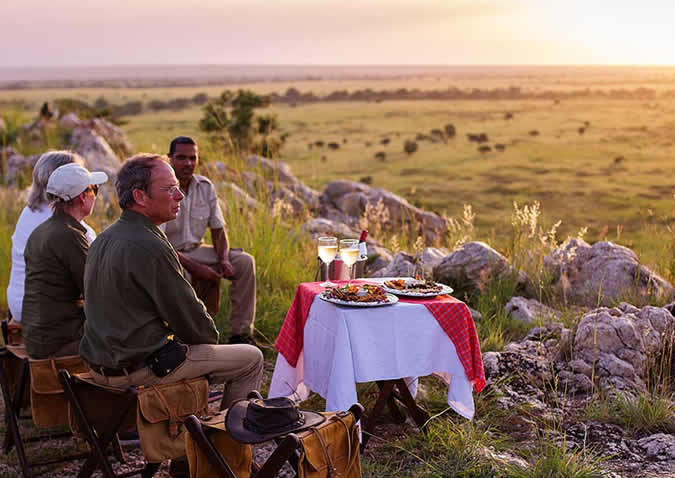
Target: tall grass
[[284, 255], [644, 412], [12, 203], [554, 460]]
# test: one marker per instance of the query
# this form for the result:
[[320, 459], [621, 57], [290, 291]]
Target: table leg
[[419, 415], [394, 411]]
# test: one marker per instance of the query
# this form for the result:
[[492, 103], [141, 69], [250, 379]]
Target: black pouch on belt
[[166, 359]]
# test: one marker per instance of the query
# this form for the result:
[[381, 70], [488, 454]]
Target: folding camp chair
[[15, 383], [100, 430], [288, 447]]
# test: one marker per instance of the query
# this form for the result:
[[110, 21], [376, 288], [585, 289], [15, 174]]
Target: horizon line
[[438, 65]]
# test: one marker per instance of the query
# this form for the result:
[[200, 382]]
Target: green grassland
[[577, 178]]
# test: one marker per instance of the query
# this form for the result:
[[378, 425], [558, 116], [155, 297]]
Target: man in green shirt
[[145, 325], [55, 254]]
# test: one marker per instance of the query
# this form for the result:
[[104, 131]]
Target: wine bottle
[[363, 250]]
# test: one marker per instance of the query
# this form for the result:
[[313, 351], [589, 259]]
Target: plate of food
[[415, 288], [364, 295]]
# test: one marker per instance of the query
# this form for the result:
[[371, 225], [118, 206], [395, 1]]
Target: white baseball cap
[[69, 180]]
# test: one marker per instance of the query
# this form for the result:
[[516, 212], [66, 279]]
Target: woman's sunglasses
[[94, 188]]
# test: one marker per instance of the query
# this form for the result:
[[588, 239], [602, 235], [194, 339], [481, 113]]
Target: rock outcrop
[[95, 150], [469, 268], [602, 274], [616, 346], [347, 200], [530, 310]]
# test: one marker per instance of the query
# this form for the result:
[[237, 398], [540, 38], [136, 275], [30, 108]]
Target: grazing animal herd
[[410, 146]]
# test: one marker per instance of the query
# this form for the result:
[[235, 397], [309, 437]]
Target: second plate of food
[[415, 288]]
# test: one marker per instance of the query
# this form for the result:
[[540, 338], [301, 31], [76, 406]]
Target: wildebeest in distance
[[318, 143], [500, 147], [385, 141], [484, 149], [380, 155], [534, 132], [333, 146]]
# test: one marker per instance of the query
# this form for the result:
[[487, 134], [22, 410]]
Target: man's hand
[[226, 268], [203, 272]]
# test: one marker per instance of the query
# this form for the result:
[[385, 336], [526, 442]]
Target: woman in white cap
[[36, 212], [56, 251]]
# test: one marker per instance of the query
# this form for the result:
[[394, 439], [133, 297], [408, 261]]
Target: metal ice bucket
[[337, 270]]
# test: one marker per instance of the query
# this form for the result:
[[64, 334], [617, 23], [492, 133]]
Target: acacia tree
[[232, 119]]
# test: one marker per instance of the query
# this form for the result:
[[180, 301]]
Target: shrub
[[410, 146]]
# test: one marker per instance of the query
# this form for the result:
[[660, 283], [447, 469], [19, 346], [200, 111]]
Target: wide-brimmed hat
[[256, 421], [69, 180]]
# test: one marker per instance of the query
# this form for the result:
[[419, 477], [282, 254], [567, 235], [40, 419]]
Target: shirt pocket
[[199, 219]]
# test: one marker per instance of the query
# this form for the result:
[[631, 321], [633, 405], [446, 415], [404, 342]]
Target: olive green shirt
[[137, 296], [53, 311]]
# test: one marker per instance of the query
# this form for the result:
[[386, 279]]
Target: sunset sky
[[488, 32]]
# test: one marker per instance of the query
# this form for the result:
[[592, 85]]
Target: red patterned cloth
[[452, 315]]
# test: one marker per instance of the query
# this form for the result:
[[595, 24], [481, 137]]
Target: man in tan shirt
[[205, 265]]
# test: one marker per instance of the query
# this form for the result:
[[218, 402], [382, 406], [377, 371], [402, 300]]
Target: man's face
[[184, 161], [162, 202]]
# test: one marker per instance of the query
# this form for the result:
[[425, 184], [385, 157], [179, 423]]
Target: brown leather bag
[[331, 449], [239, 456], [48, 402], [161, 412]]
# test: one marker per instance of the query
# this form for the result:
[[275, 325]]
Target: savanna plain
[[602, 164]]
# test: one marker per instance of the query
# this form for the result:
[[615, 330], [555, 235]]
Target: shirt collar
[[134, 217], [68, 219]]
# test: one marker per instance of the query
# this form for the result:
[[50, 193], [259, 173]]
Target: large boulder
[[402, 265], [351, 198], [271, 169], [320, 226], [278, 184], [616, 345], [69, 121], [602, 274], [528, 311], [430, 257], [240, 198], [113, 135], [95, 150], [470, 267]]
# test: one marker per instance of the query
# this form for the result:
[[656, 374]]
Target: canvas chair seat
[[212, 451], [15, 382], [98, 413]]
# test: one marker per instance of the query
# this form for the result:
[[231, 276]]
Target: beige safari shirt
[[198, 210]]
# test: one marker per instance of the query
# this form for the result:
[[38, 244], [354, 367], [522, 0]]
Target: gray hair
[[45, 166], [136, 173]]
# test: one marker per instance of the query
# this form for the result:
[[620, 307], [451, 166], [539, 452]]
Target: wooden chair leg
[[216, 460], [12, 433], [283, 453], [100, 441]]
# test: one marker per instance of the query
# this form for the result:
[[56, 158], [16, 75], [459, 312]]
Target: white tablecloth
[[346, 345]]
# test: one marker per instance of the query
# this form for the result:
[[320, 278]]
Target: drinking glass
[[327, 250], [349, 253]]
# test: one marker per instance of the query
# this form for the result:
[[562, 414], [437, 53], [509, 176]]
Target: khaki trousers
[[239, 367], [242, 288]]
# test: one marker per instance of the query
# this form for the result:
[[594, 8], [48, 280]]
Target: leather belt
[[115, 372]]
